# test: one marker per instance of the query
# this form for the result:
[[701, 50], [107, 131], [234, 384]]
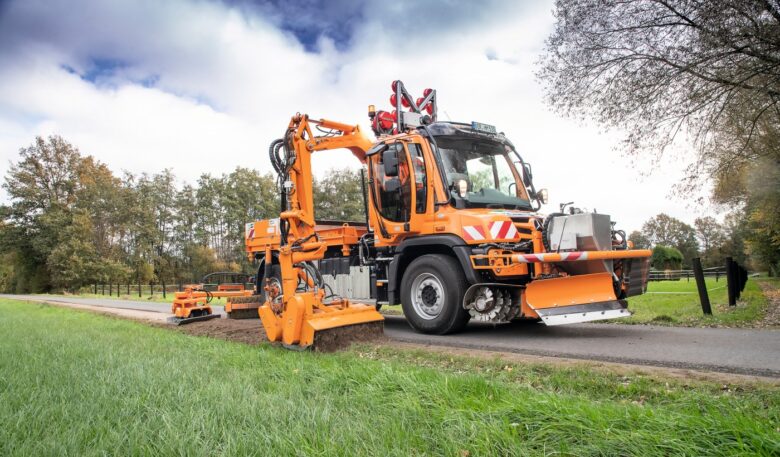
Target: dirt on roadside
[[247, 331], [250, 331], [772, 293]]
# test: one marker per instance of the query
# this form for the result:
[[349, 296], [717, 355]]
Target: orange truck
[[452, 234]]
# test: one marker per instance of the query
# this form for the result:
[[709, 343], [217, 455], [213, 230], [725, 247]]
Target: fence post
[[740, 273], [163, 287], [702, 286], [102, 289], [128, 288], [95, 288], [731, 281]]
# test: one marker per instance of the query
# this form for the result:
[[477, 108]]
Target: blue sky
[[203, 86]]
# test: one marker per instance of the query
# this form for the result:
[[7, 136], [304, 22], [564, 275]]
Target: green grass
[[677, 303], [75, 383]]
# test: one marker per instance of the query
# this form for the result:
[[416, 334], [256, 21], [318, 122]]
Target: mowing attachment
[[243, 307], [193, 304]]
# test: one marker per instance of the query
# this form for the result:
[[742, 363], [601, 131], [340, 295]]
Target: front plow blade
[[325, 332], [575, 299]]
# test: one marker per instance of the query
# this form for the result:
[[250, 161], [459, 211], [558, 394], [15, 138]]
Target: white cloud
[[226, 81]]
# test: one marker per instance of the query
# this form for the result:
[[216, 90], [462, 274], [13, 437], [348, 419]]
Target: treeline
[[72, 222], [676, 243]]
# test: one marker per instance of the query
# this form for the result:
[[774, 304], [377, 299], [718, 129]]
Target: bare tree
[[658, 68]]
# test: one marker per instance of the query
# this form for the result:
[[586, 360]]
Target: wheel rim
[[427, 296]]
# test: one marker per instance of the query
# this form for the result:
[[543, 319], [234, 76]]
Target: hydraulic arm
[[296, 310]]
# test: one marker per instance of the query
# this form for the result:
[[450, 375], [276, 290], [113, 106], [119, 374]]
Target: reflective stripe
[[552, 257], [502, 230], [473, 233]]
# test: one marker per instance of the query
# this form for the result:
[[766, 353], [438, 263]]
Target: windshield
[[487, 168]]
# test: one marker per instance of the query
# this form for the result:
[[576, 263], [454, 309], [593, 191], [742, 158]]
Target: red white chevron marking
[[564, 257], [473, 233], [503, 230]]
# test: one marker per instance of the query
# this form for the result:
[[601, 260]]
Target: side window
[[392, 184], [420, 180]]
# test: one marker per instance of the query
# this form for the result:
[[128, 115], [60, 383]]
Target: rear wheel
[[431, 293]]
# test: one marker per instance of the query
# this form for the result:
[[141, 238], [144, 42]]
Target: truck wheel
[[431, 293], [275, 275]]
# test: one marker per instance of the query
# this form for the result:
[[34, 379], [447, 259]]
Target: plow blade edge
[[574, 299]]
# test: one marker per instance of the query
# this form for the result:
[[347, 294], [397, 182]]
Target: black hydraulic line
[[545, 232], [371, 189], [365, 196]]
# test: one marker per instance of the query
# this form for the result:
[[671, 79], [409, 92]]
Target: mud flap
[[575, 299]]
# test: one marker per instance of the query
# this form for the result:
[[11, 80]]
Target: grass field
[[677, 303], [76, 383]]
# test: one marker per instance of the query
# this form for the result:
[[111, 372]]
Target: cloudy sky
[[204, 86]]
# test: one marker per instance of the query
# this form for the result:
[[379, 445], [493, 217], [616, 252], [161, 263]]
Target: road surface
[[742, 351]]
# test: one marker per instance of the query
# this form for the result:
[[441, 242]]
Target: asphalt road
[[743, 351]]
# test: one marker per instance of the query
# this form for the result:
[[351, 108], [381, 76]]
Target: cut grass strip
[[84, 384]]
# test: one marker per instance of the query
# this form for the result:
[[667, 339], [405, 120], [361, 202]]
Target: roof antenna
[[448, 116]]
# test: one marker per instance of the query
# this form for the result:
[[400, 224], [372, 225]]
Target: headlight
[[542, 196]]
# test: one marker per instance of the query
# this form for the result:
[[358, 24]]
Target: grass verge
[[156, 298], [677, 303], [78, 383]]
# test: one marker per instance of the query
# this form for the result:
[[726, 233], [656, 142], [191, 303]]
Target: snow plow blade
[[188, 320], [575, 299]]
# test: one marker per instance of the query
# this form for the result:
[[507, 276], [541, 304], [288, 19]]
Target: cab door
[[422, 192], [399, 188]]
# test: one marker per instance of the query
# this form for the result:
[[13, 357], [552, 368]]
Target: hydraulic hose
[[545, 230], [282, 165]]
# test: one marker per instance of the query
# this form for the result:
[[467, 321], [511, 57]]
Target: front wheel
[[431, 293]]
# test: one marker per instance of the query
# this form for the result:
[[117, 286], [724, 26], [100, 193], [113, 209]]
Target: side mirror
[[392, 185], [390, 161]]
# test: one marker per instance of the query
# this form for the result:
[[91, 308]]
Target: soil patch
[[250, 331], [335, 339], [772, 293], [247, 331]]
